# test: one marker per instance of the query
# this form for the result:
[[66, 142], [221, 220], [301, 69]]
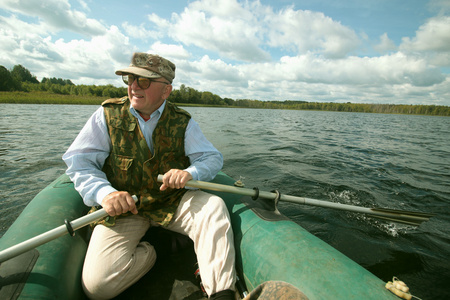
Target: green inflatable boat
[[269, 247]]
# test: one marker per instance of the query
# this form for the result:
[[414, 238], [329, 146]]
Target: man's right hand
[[118, 203]]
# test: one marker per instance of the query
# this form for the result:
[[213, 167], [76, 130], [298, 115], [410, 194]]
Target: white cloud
[[312, 78], [215, 72], [24, 43], [432, 40], [20, 28], [390, 69], [433, 35], [97, 58], [385, 44], [212, 29], [243, 30], [169, 51], [223, 9], [84, 5], [213, 75], [57, 14], [140, 32], [308, 31], [161, 23]]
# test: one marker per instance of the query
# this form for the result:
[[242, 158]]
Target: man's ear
[[167, 91]]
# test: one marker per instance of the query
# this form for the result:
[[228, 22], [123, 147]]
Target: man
[[119, 153]]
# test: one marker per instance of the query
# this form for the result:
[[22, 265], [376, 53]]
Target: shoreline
[[52, 98]]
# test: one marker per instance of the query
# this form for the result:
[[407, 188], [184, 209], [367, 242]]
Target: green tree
[[183, 94], [7, 81], [175, 96], [206, 98], [22, 74], [229, 101]]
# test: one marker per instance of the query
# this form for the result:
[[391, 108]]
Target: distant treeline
[[19, 79], [432, 110]]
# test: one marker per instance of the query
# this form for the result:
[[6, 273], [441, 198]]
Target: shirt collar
[[157, 113]]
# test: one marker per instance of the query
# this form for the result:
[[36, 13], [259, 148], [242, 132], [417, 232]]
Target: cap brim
[[138, 71]]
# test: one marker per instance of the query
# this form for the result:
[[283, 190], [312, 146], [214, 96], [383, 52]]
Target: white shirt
[[87, 154]]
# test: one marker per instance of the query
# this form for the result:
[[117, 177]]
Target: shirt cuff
[[193, 171], [103, 192]]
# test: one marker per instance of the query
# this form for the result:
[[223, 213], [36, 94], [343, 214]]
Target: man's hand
[[118, 203], [175, 179]]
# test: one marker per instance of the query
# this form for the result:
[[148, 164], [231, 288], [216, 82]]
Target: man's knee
[[218, 215], [217, 204], [108, 281]]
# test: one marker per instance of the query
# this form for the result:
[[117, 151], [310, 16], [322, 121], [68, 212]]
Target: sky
[[372, 51]]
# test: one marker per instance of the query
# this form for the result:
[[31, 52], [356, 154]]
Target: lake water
[[372, 160]]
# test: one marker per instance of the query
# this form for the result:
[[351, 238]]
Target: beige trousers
[[116, 258]]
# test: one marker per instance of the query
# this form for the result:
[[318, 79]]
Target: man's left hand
[[175, 179]]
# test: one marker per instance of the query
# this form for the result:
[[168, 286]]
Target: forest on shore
[[18, 85]]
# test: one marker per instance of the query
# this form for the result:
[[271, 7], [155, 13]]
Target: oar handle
[[52, 234], [218, 187]]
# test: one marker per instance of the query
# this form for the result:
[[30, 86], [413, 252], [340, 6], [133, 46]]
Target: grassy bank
[[48, 98]]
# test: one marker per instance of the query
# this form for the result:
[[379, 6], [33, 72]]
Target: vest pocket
[[123, 162], [122, 132], [120, 167]]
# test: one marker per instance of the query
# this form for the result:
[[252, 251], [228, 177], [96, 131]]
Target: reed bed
[[48, 98]]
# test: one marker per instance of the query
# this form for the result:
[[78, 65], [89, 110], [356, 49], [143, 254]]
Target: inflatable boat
[[269, 247]]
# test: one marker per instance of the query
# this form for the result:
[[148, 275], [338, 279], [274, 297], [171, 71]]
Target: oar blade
[[401, 216], [412, 223]]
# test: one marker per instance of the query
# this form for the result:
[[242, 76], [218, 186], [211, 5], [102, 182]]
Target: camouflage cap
[[149, 65]]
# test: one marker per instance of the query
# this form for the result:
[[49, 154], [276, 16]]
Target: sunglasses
[[142, 82]]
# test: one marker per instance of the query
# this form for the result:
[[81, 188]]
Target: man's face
[[146, 101]]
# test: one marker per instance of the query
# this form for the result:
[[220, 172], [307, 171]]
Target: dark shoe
[[223, 295]]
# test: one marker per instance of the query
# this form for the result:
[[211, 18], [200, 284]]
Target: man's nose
[[135, 85]]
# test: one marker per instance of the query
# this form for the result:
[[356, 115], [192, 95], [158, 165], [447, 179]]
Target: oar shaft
[[410, 218], [267, 195], [50, 235]]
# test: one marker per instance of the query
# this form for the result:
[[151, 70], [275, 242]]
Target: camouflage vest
[[133, 168]]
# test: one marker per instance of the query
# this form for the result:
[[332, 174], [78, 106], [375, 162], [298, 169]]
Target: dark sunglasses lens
[[128, 79], [143, 82]]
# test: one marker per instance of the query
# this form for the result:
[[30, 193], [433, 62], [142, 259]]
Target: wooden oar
[[400, 216], [68, 227]]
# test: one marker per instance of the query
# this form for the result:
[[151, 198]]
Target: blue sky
[[314, 50]]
